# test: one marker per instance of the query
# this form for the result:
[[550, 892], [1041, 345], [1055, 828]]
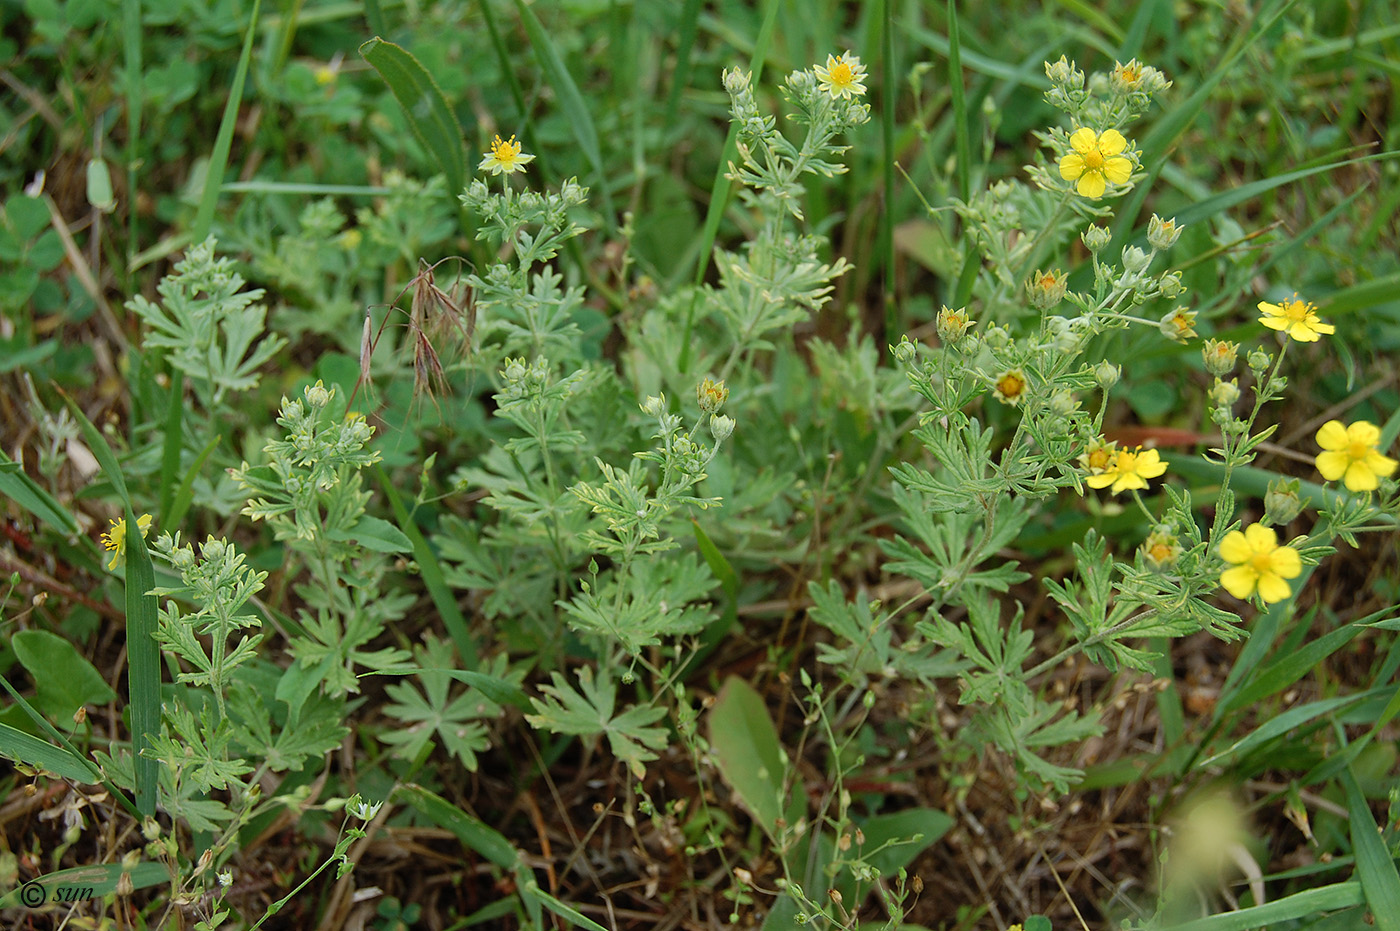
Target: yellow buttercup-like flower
[[115, 538], [1258, 564], [842, 76], [1097, 159], [1131, 468], [504, 157], [1352, 454], [1297, 318], [1010, 386]]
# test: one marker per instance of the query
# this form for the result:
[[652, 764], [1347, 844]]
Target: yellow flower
[[1297, 318], [1179, 325], [842, 76], [1352, 451], [1010, 386], [1097, 159], [504, 156], [115, 538], [1259, 564], [1131, 468]]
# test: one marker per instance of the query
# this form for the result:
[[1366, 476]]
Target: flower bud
[[653, 406], [317, 395], [1107, 374], [1220, 356], [1225, 393], [998, 337], [1125, 79], [711, 394], [1282, 502], [1259, 360], [953, 324], [1135, 260], [1170, 286], [721, 427], [1046, 289], [1162, 234], [904, 351], [1095, 238]]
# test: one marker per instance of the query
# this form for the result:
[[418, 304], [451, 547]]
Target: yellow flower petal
[[1381, 465], [1111, 142], [1091, 185], [1333, 465], [1083, 140], [1071, 166], [1118, 170], [1260, 538], [1235, 548], [1239, 581], [1333, 435], [1285, 562], [1360, 478], [1364, 432], [1272, 588]]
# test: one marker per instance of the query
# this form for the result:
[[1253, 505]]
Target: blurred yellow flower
[[842, 76], [1010, 386], [1297, 318], [1351, 453], [115, 538], [504, 157], [1258, 564], [1097, 159], [1131, 468]]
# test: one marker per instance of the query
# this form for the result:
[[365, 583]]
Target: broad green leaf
[[429, 116], [374, 534], [64, 681], [748, 753]]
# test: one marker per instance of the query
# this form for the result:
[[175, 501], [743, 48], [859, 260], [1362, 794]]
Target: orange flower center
[[1099, 459], [1161, 552], [1262, 562], [1093, 159], [1358, 451], [1296, 311], [841, 74], [1127, 462], [1011, 386]]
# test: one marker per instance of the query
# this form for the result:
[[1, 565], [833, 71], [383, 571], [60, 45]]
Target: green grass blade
[[171, 445], [471, 831], [721, 189], [184, 495], [1288, 669], [962, 132], [99, 879], [428, 114], [571, 102], [135, 89], [30, 750], [16, 485], [532, 890], [431, 572], [143, 653], [889, 96], [223, 142], [1374, 867], [1282, 724], [685, 47], [1299, 905]]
